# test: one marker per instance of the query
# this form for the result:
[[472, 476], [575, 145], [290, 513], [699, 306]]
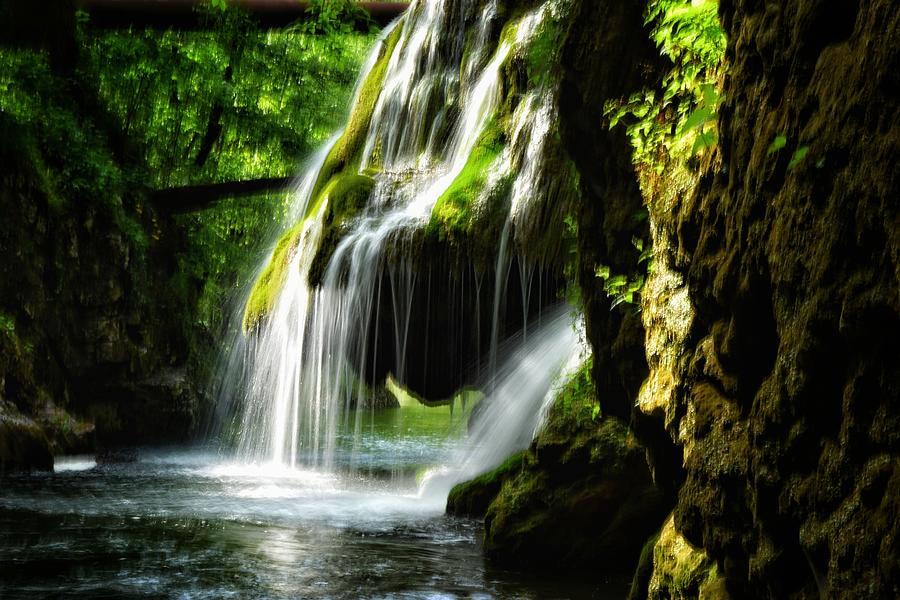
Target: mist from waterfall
[[521, 390]]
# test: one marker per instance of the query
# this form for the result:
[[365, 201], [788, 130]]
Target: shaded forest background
[[110, 295]]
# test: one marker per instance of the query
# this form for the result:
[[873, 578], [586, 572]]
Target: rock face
[[89, 321], [583, 497], [607, 55], [773, 345], [789, 378]]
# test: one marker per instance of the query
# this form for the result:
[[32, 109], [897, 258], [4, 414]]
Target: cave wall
[[786, 407]]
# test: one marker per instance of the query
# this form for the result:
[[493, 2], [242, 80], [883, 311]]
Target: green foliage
[[626, 289], [256, 101], [230, 102], [679, 119], [43, 126], [335, 17]]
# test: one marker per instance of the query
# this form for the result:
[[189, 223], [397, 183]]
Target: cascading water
[[303, 361], [521, 391]]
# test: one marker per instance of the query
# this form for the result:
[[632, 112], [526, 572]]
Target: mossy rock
[[671, 568], [268, 286], [589, 505], [453, 216], [473, 497], [337, 178], [345, 196], [346, 155]]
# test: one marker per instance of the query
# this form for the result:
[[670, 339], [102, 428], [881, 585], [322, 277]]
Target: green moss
[[347, 151], [452, 213], [267, 287], [7, 324], [345, 195], [473, 497], [542, 54], [680, 570]]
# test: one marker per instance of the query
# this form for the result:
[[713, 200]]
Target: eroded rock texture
[[787, 407]]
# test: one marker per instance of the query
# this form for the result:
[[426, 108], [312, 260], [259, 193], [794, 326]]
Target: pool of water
[[185, 524]]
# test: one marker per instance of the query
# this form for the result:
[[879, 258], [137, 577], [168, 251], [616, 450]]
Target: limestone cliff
[[786, 383]]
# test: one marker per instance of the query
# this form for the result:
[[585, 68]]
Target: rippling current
[[193, 525]]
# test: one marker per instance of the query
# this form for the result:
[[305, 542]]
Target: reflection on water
[[192, 525]]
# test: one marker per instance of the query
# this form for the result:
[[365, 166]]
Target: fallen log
[[200, 197]]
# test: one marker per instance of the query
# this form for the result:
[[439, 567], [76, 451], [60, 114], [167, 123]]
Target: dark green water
[[192, 525]]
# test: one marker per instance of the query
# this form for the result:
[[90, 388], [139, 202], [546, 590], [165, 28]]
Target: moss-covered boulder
[[338, 178], [345, 195], [454, 213], [472, 498], [580, 496], [589, 503], [267, 287]]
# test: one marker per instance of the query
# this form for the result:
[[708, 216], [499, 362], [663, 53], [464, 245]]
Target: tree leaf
[[697, 118]]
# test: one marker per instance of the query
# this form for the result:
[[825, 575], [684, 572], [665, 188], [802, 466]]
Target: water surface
[[195, 525]]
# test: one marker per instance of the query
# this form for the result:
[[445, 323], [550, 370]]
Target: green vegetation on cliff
[[347, 152]]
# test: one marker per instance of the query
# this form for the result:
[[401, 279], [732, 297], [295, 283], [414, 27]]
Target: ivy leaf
[[697, 118], [705, 139]]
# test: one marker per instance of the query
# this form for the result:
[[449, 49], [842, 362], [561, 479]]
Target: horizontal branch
[[182, 14], [198, 197]]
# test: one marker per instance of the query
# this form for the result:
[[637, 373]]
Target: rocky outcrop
[[786, 392], [607, 55], [673, 569], [473, 498], [582, 497]]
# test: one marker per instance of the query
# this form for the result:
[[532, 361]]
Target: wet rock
[[23, 445], [581, 499], [785, 393], [671, 568], [473, 498]]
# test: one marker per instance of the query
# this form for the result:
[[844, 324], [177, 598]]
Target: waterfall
[[303, 364], [521, 392]]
